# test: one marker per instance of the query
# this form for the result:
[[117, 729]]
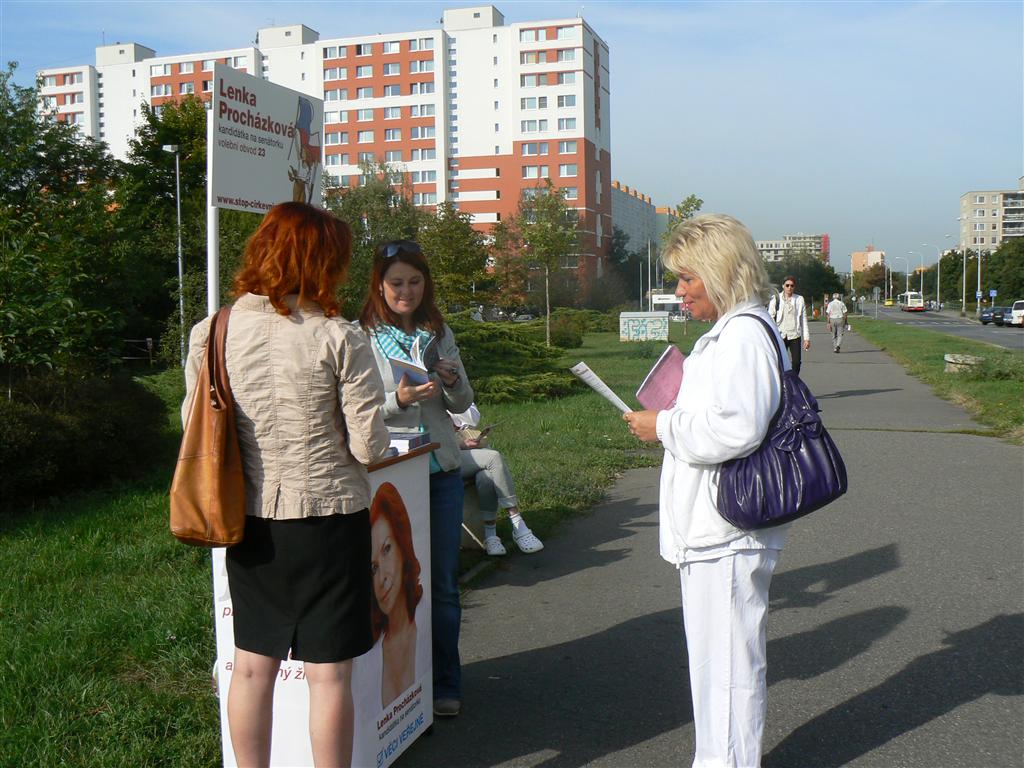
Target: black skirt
[[304, 586]]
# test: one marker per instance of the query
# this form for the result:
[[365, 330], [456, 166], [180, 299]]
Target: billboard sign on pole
[[266, 145]]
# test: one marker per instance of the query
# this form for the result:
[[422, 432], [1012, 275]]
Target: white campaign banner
[[388, 717], [267, 143]]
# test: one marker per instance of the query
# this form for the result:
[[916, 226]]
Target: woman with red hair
[[307, 401], [399, 312]]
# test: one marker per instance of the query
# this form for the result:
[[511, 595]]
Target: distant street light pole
[[921, 257], [977, 296], [907, 273], [181, 272], [938, 273], [963, 290]]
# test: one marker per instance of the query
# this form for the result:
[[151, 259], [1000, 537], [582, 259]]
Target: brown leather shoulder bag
[[208, 490]]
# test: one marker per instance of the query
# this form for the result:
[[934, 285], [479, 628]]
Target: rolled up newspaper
[[592, 380]]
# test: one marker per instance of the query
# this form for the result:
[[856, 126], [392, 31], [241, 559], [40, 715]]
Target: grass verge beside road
[[106, 631], [992, 393]]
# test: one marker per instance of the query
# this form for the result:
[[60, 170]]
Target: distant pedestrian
[[835, 313], [728, 396], [790, 314]]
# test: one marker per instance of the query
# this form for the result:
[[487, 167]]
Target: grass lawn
[[994, 394], [106, 631]]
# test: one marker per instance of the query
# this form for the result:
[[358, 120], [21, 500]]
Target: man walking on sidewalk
[[836, 314], [788, 311]]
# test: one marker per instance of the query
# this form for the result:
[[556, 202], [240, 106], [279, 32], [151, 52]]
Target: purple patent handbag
[[796, 469]]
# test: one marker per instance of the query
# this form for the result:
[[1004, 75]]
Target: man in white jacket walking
[[789, 313], [836, 314]]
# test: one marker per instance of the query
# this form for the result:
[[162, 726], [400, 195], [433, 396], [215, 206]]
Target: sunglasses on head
[[392, 249]]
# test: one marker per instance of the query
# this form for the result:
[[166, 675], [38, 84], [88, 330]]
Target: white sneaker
[[527, 542], [494, 546]]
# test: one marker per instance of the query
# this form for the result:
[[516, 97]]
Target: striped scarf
[[396, 343]]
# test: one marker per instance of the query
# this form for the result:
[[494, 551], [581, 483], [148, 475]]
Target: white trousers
[[725, 611]]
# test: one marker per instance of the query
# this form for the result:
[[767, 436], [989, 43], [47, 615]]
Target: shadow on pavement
[[857, 392], [982, 660], [814, 584]]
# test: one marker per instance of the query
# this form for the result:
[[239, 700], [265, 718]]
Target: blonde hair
[[721, 252]]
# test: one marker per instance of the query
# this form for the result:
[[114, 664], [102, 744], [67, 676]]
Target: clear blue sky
[[866, 120]]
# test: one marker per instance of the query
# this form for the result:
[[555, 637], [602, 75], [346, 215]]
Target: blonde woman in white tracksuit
[[729, 393]]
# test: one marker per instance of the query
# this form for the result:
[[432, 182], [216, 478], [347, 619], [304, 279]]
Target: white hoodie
[[729, 393]]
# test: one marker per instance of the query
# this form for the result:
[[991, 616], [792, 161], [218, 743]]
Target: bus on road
[[911, 301]]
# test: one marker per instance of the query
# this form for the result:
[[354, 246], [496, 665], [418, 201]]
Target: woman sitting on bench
[[494, 486]]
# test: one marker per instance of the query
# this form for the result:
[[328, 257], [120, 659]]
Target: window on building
[[532, 35], [422, 88], [567, 101], [567, 147], [332, 160], [335, 73], [421, 65], [392, 113], [365, 137], [567, 33], [393, 156], [528, 81], [424, 154], [239, 62], [393, 134], [979, 227], [392, 90], [364, 115], [567, 169], [186, 68], [336, 137], [533, 57], [159, 70], [161, 89], [185, 88], [364, 70], [567, 123], [979, 198], [422, 132], [364, 93], [208, 65], [394, 68], [392, 46], [331, 117], [50, 81], [567, 54], [566, 78], [364, 49], [207, 86], [423, 110], [422, 44], [366, 157], [422, 177], [424, 198]]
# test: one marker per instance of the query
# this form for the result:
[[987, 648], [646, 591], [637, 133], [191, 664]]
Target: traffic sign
[[977, 294], [992, 293]]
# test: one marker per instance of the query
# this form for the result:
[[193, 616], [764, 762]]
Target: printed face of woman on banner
[[396, 590]]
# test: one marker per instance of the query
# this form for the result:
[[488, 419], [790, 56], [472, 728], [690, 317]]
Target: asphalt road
[[896, 635], [949, 321]]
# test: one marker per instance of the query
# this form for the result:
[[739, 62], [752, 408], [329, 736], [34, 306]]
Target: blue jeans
[[446, 495]]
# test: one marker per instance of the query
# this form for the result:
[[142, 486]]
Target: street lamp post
[[907, 273], [922, 271], [181, 275], [977, 296], [938, 273]]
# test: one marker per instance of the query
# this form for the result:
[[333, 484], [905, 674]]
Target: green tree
[[1006, 271], [509, 273], [547, 229], [456, 252], [687, 209], [814, 278], [63, 286]]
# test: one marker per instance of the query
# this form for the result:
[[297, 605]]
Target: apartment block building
[[791, 245], [476, 112], [636, 216], [988, 218], [862, 260]]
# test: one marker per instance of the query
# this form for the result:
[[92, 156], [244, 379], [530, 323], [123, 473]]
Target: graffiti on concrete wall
[[643, 326]]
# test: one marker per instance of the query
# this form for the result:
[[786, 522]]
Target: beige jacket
[[308, 405]]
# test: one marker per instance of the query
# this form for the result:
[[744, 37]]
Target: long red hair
[[298, 248], [387, 503], [376, 309]]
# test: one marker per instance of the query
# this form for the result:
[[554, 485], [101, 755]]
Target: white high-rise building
[[990, 217], [475, 112]]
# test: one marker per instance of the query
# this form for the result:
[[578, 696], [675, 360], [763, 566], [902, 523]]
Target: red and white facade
[[475, 112]]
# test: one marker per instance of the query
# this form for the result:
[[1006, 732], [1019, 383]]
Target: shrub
[[75, 434], [566, 333], [506, 363]]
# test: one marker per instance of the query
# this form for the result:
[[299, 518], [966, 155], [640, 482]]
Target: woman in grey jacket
[[399, 311]]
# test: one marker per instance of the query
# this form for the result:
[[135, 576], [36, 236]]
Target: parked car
[[1017, 314], [988, 315], [999, 315], [522, 318]]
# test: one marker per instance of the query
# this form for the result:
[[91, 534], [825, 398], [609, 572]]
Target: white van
[[1017, 314]]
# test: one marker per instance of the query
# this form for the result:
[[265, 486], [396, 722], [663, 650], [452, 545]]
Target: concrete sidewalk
[[896, 636]]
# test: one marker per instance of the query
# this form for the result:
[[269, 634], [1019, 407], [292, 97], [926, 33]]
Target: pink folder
[[659, 390]]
